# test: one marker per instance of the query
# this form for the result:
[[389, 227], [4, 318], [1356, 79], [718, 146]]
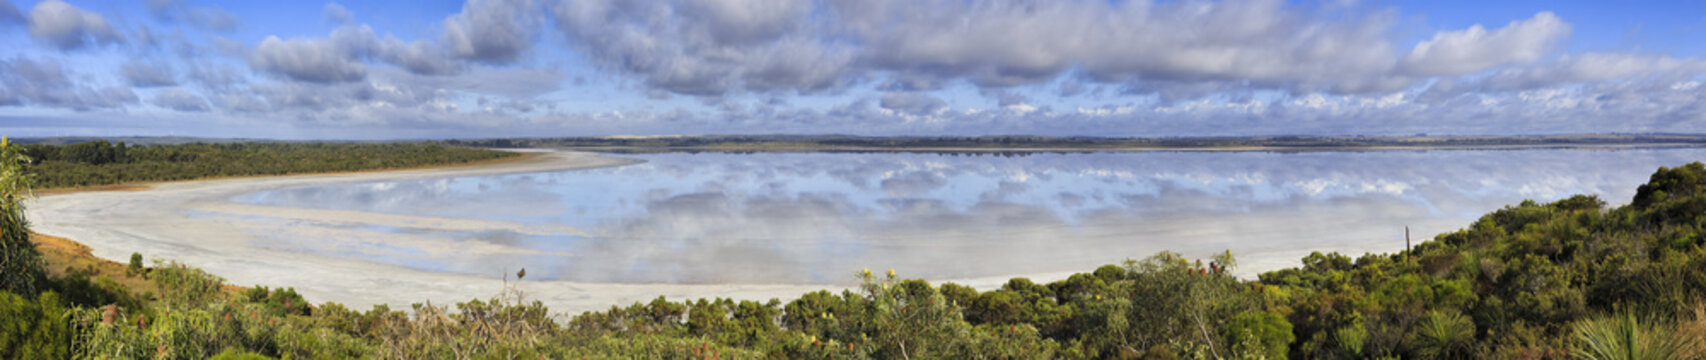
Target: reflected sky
[[814, 218]]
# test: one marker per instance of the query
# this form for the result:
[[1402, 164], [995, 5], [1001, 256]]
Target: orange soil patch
[[63, 256], [113, 187]]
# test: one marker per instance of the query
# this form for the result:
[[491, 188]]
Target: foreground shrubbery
[[1567, 279], [102, 163]]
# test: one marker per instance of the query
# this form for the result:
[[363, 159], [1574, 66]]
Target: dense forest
[[1010, 142], [95, 163], [1572, 278]]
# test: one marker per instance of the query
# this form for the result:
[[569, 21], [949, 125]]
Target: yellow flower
[[891, 272]]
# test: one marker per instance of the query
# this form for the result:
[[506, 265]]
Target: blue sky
[[502, 68]]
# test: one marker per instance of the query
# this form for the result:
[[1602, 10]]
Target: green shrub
[[185, 287], [1259, 335], [135, 263], [278, 301], [234, 354], [34, 329]]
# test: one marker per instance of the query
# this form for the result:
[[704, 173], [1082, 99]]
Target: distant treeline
[[798, 142], [95, 163]]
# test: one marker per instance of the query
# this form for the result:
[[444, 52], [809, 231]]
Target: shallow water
[[814, 218]]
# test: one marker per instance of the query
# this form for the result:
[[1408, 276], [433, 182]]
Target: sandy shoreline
[[154, 222]]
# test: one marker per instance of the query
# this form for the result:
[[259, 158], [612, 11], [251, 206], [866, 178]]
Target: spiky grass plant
[[1444, 335], [1623, 336]]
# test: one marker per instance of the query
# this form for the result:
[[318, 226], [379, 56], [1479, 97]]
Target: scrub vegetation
[[1566, 279], [97, 163]]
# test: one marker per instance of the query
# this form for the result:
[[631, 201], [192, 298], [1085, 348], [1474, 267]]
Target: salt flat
[[152, 222]]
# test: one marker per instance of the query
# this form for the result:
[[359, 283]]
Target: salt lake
[[815, 218]]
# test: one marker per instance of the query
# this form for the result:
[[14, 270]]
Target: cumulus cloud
[[67, 27], [418, 57], [1476, 49], [180, 100], [1178, 51], [141, 73], [342, 56], [25, 81], [211, 18], [706, 47], [912, 103], [1589, 67], [1237, 67], [336, 13], [311, 60], [494, 31]]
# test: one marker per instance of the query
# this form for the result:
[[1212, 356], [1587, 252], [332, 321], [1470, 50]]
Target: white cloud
[[67, 27], [1595, 66], [1476, 49], [1237, 67], [495, 31], [45, 83], [312, 60], [735, 46]]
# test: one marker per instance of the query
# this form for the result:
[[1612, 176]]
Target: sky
[[548, 68]]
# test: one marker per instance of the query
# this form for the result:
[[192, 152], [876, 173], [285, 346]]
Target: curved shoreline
[[151, 222], [161, 222]]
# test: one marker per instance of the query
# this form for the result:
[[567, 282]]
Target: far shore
[[524, 155]]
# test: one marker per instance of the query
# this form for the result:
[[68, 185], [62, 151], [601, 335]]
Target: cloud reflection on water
[[814, 218]]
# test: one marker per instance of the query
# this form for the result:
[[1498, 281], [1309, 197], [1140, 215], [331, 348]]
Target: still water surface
[[814, 218]]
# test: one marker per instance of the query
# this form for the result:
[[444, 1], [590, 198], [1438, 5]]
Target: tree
[[135, 263], [20, 264]]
